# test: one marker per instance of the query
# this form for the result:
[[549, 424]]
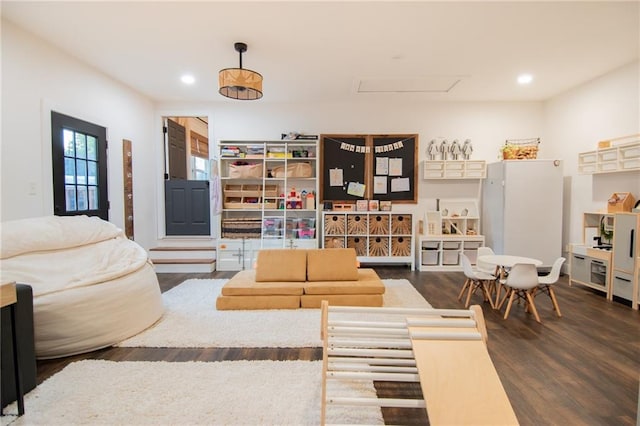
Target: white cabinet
[[442, 252], [626, 251], [451, 231], [620, 158], [459, 217], [269, 191], [522, 208], [377, 237], [454, 169], [236, 254]]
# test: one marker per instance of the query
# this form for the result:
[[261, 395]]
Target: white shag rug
[[192, 321], [188, 393]]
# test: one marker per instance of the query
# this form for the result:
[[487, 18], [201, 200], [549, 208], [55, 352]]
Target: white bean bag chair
[[92, 287]]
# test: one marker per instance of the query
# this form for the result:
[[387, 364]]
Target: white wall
[[38, 78], [488, 125], [574, 122]]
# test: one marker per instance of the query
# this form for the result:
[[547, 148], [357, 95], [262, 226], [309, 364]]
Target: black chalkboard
[[361, 159], [334, 156]]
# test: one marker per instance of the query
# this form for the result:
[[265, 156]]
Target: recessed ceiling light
[[525, 78], [188, 79]]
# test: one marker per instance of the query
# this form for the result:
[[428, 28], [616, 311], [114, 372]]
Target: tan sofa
[[294, 278]]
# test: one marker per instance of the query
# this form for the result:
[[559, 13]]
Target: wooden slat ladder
[[361, 343]]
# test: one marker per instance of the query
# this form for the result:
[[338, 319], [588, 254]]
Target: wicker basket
[[378, 246], [334, 242], [401, 224], [520, 149], [401, 246], [379, 224], [359, 244], [356, 224], [334, 224]]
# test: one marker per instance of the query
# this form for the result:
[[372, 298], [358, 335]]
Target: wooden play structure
[[442, 349]]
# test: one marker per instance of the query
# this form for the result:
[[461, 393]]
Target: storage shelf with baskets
[[450, 232], [377, 237], [268, 190]]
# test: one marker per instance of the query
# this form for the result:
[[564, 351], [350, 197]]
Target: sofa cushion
[[281, 265], [335, 264], [368, 282], [244, 284], [226, 303], [315, 300]]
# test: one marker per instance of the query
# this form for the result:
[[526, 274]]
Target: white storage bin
[[451, 245], [430, 257], [472, 244], [450, 257], [431, 245]]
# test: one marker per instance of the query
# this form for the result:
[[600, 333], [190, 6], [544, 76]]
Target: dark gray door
[[79, 154], [177, 145], [187, 207]]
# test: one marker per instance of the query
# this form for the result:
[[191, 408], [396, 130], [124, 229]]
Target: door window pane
[[93, 198], [69, 170], [69, 146], [92, 148], [81, 146], [70, 197], [82, 198], [92, 172], [81, 172]]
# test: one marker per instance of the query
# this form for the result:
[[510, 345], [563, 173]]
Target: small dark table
[[8, 297]]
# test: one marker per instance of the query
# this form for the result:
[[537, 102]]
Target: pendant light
[[240, 83]]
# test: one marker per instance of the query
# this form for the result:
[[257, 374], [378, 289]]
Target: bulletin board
[[373, 167]]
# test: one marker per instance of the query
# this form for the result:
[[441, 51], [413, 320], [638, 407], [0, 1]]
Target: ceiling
[[324, 51]]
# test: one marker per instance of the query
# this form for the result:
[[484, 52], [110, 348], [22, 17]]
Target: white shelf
[[454, 169], [377, 237], [620, 158], [261, 200], [442, 252]]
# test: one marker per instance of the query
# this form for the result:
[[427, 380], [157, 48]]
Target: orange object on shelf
[[620, 202]]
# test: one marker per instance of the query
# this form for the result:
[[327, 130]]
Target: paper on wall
[[335, 177], [400, 185], [356, 189], [395, 167], [379, 184], [382, 165]]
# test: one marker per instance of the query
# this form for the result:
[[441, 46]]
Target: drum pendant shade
[[240, 83]]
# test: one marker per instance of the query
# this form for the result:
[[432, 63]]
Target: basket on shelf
[[334, 224], [359, 244], [401, 246], [379, 225], [520, 149], [357, 224], [334, 242], [401, 224], [378, 246]]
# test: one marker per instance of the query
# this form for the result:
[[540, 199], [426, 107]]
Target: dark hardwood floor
[[582, 368]]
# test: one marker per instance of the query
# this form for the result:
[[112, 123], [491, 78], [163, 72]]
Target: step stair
[[170, 259]]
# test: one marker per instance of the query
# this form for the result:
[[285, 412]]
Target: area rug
[[192, 321], [188, 393]]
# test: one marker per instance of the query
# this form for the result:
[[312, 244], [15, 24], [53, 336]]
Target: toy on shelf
[[455, 149], [294, 200], [467, 149]]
